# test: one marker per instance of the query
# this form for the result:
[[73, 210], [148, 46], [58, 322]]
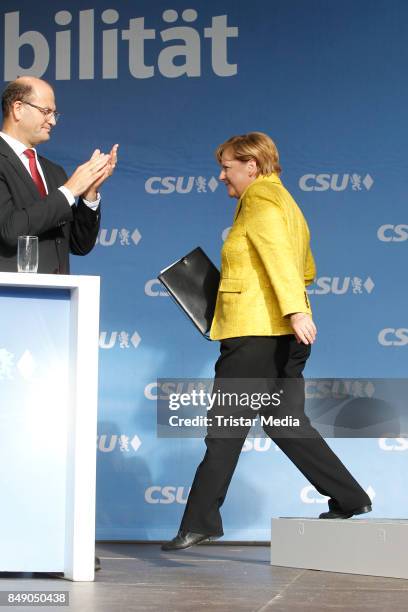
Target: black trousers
[[267, 357]]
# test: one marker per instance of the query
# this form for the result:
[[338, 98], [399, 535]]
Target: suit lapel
[[18, 166]]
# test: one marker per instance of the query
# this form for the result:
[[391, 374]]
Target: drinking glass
[[27, 254]]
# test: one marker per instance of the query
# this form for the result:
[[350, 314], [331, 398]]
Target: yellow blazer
[[266, 262]]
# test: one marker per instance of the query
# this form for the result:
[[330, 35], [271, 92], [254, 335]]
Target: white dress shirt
[[19, 148]]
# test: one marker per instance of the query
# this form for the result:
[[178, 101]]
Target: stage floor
[[218, 577]]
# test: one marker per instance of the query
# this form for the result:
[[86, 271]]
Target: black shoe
[[340, 514], [185, 539], [97, 564]]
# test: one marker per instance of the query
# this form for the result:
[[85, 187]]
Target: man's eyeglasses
[[47, 112]]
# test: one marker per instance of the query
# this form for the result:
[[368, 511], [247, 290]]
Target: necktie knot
[[30, 153]]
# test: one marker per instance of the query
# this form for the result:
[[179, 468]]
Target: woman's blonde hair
[[254, 145]]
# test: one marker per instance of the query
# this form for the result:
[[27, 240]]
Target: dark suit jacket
[[60, 228]]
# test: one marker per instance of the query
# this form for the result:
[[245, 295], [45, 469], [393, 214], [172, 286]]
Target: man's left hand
[[92, 193]]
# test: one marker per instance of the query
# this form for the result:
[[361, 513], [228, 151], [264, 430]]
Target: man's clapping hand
[[91, 194], [88, 177]]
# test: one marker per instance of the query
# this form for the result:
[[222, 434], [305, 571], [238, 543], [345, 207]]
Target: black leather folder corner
[[193, 281]]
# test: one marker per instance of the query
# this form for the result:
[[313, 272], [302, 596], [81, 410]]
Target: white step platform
[[372, 547]]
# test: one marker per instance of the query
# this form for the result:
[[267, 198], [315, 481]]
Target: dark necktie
[[35, 175]]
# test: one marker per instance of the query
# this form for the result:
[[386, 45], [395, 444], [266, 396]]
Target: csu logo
[[154, 288], [108, 443], [166, 495], [338, 388], [393, 444], [180, 184], [126, 237], [6, 364], [391, 336], [393, 233], [260, 445], [309, 495], [335, 182], [123, 338], [12, 366], [225, 233], [338, 286]]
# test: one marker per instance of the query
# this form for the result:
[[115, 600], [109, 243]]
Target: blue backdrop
[[169, 81]]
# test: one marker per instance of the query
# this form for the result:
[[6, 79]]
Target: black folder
[[193, 281]]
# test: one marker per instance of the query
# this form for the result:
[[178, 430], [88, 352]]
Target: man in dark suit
[[36, 196]]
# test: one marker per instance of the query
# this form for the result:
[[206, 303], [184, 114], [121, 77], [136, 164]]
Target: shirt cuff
[[68, 194], [93, 205]]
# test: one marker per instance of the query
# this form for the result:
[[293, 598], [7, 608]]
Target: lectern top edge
[[61, 281]]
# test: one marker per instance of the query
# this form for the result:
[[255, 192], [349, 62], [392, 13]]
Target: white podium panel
[[373, 547], [48, 419]]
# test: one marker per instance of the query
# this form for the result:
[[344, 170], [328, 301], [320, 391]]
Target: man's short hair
[[254, 145], [16, 90]]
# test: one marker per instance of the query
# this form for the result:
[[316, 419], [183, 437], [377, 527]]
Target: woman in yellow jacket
[[263, 320]]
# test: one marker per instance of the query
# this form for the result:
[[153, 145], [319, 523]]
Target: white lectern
[[49, 327]]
